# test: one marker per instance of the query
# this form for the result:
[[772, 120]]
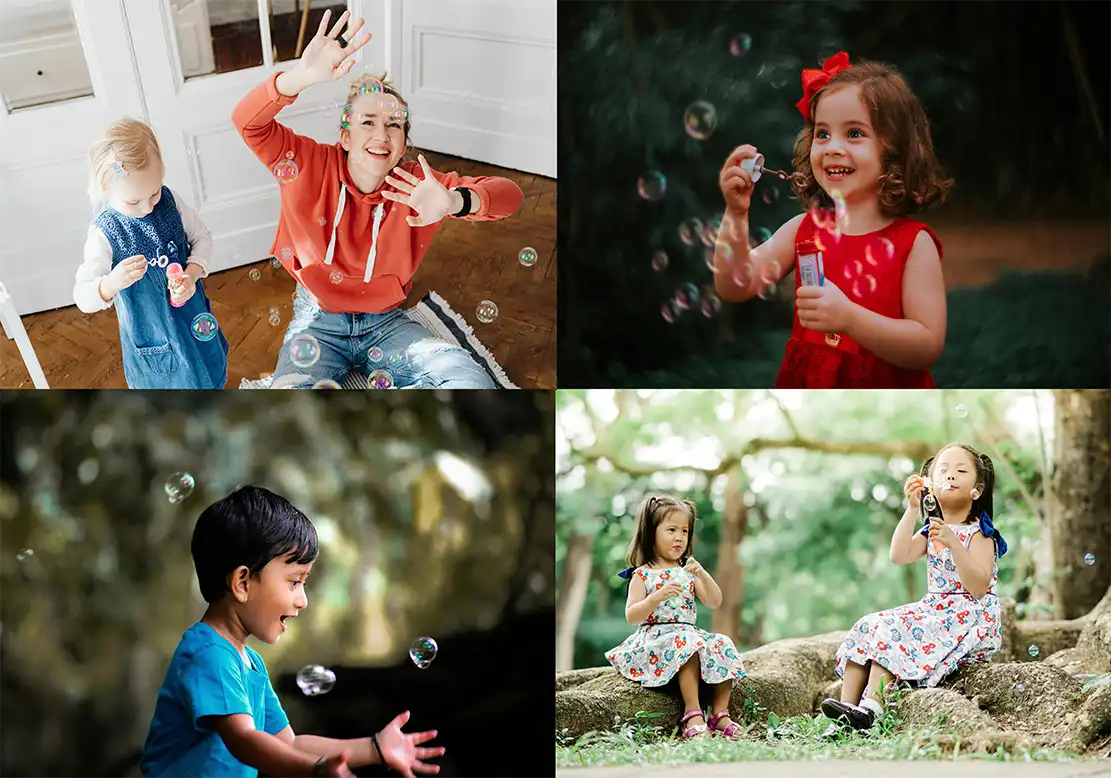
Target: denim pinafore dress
[[160, 350]]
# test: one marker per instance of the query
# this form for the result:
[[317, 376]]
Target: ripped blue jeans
[[392, 349]]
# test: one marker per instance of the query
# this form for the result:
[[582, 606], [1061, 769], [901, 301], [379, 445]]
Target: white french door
[[65, 73]]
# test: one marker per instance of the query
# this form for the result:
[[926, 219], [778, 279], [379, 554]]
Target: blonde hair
[[356, 89], [126, 145]]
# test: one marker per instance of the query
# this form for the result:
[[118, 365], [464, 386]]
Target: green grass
[[642, 741]]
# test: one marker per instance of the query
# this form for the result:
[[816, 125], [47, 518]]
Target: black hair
[[651, 513], [251, 526], [985, 474]]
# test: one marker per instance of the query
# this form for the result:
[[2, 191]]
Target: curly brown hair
[[652, 511], [913, 179]]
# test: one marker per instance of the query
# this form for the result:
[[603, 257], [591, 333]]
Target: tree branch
[[998, 456], [786, 416], [912, 449]]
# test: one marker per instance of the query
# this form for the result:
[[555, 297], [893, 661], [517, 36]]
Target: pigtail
[[985, 469]]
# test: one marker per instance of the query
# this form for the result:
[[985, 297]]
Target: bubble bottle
[[930, 509], [175, 274], [754, 166]]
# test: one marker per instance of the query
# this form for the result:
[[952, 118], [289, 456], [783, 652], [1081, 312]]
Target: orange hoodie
[[363, 236]]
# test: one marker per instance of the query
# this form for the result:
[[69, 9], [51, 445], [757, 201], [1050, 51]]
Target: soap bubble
[[254, 275], [929, 502], [726, 257], [345, 118], [286, 171], [401, 114], [652, 185], [700, 120], [667, 312], [335, 277], [1033, 650], [691, 230], [24, 555], [322, 221], [659, 261], [275, 320], [179, 486], [758, 236], [961, 411], [711, 304], [304, 351], [1089, 559], [740, 44], [287, 253], [374, 354], [326, 383], [423, 651], [277, 263], [742, 273], [371, 86], [686, 296], [315, 679], [1020, 687], [527, 256], [487, 311], [864, 285], [380, 379], [329, 107], [204, 327], [771, 194]]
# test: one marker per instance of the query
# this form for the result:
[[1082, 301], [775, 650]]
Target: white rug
[[433, 313]]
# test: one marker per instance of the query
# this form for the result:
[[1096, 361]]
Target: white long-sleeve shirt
[[98, 257]]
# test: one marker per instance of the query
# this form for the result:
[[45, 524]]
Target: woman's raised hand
[[325, 58], [913, 490], [429, 199]]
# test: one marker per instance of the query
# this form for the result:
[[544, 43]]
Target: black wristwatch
[[466, 209]]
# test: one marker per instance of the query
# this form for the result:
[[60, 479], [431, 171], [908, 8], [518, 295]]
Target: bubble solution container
[[175, 274]]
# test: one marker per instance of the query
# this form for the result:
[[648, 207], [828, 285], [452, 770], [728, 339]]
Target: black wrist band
[[466, 209], [378, 748]]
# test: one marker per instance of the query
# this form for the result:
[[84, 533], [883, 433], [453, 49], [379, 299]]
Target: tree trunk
[[734, 521], [572, 597], [1078, 505]]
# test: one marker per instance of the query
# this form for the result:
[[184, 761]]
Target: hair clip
[[120, 172]]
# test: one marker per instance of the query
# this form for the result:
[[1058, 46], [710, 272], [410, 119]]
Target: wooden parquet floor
[[466, 263]]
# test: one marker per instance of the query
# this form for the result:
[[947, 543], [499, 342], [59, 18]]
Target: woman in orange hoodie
[[355, 222]]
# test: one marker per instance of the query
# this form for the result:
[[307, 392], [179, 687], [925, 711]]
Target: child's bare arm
[[267, 753], [707, 590], [974, 564], [906, 545], [770, 262], [915, 341], [640, 604]]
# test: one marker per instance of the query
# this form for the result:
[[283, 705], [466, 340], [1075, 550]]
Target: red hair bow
[[813, 80]]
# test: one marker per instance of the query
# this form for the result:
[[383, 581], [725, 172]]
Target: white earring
[[975, 494]]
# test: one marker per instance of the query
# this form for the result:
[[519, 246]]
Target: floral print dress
[[668, 638], [923, 642]]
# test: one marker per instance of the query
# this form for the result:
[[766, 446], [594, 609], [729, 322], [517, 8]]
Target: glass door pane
[[294, 24], [217, 37], [41, 57]]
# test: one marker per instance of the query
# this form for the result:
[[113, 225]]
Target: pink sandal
[[694, 731], [731, 732]]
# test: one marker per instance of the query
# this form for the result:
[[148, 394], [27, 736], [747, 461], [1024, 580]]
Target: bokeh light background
[[435, 513], [654, 96]]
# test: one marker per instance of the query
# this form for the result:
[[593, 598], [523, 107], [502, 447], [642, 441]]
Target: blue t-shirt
[[207, 677]]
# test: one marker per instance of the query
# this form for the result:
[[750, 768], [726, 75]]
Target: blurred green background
[[1017, 95], [435, 516], [798, 494]]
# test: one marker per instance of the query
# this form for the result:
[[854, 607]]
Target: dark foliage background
[[1017, 94], [435, 512]]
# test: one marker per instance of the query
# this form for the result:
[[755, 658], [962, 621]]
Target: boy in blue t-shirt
[[217, 714]]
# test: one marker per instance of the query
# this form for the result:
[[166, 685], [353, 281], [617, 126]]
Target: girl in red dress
[[870, 297]]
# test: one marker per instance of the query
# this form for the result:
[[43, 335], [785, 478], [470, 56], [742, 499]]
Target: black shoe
[[857, 718]]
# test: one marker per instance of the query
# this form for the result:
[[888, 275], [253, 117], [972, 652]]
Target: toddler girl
[[663, 581], [142, 229], [870, 297], [355, 224], [957, 622]]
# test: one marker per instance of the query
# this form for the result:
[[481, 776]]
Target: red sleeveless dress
[[869, 270]]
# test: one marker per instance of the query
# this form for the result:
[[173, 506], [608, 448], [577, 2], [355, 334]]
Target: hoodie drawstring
[[370, 257]]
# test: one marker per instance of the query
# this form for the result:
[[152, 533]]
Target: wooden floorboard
[[467, 263]]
